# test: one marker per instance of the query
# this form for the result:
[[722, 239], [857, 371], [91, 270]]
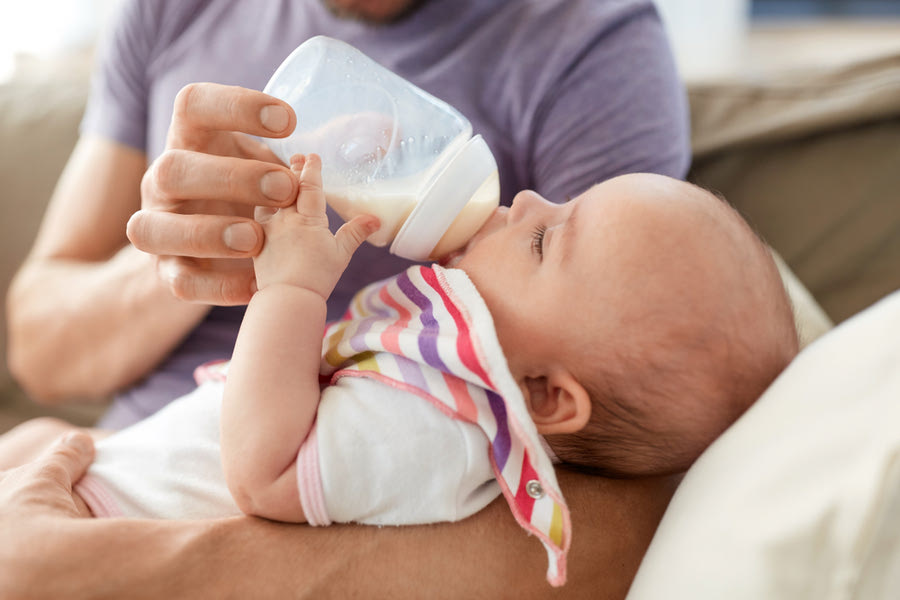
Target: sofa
[[40, 108], [809, 156]]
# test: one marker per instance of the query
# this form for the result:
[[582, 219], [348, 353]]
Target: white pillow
[[809, 318], [800, 499]]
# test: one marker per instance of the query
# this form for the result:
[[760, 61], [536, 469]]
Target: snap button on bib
[[534, 489]]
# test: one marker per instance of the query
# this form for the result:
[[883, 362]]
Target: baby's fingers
[[353, 233], [311, 200]]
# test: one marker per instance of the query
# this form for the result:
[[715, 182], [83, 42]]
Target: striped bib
[[427, 331]]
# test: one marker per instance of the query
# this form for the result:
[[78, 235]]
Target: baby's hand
[[299, 249]]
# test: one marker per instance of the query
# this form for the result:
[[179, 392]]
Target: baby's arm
[[272, 388]]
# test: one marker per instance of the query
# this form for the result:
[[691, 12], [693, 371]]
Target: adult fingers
[[66, 461], [178, 176], [353, 233], [202, 236], [199, 281], [205, 108], [251, 147]]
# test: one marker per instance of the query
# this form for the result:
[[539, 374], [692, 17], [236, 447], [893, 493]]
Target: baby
[[619, 333]]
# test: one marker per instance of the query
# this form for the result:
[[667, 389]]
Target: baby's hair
[[619, 440], [616, 442]]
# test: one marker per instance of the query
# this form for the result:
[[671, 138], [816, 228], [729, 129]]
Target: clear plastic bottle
[[388, 148]]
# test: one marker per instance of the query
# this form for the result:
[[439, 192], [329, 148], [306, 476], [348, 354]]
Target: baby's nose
[[522, 203]]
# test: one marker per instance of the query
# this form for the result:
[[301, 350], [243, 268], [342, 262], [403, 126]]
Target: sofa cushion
[[800, 498]]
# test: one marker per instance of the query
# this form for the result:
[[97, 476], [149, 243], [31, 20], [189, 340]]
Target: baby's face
[[561, 278]]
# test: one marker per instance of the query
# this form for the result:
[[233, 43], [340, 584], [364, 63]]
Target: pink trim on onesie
[[309, 481], [98, 499]]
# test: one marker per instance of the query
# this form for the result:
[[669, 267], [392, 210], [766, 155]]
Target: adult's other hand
[[44, 486], [197, 197]]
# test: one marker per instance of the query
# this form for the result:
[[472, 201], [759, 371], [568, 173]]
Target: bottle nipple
[[470, 219], [457, 202]]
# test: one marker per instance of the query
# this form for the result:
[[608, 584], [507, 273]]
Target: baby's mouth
[[451, 260]]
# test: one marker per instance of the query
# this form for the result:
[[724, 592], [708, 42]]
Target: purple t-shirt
[[567, 93]]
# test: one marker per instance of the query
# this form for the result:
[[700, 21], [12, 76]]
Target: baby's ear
[[557, 403]]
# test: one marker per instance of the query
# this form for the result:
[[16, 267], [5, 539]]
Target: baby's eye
[[537, 240]]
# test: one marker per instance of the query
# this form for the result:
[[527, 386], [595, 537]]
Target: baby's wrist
[[291, 289]]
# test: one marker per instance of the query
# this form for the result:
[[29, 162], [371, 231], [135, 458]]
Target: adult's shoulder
[[157, 23], [162, 21]]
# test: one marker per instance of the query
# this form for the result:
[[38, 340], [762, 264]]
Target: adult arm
[[87, 314], [44, 553]]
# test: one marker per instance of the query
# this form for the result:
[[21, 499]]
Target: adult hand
[[197, 198], [44, 487]]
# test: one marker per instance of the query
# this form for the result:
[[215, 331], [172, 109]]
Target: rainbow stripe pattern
[[428, 331]]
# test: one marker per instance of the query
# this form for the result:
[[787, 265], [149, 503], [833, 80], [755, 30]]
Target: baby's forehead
[[659, 238], [659, 191], [654, 206]]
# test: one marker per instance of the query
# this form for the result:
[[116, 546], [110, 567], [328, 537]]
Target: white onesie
[[378, 455]]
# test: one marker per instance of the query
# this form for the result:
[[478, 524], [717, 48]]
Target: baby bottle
[[388, 148]]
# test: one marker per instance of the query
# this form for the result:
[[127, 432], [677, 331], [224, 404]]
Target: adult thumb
[[354, 232], [70, 457]]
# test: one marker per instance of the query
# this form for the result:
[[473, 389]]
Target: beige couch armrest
[[789, 106], [810, 159], [39, 117]]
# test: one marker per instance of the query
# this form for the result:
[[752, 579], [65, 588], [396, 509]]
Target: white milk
[[392, 200]]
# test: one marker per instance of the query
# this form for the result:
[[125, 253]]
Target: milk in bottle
[[388, 148]]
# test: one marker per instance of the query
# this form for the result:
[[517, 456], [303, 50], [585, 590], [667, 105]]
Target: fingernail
[[274, 118], [240, 237], [276, 185]]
